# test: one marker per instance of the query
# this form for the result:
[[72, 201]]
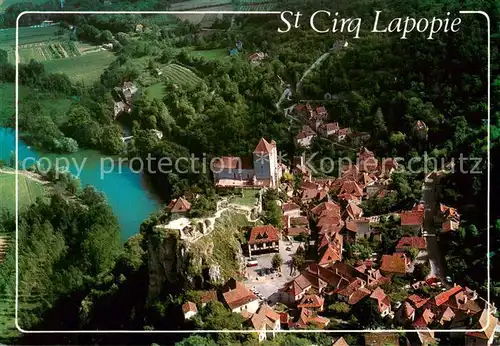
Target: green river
[[128, 193]]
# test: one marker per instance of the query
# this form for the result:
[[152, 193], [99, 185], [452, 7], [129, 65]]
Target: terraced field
[[254, 5], [180, 75]]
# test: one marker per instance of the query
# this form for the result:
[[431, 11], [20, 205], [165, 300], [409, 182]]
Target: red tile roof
[[352, 188], [358, 295], [340, 342], [238, 295], [412, 218], [408, 309], [296, 231], [326, 206], [263, 147], [299, 221], [382, 299], [208, 296], [353, 211], [417, 301], [290, 206], [330, 255], [265, 318], [425, 319], [263, 234], [189, 307], [415, 242], [443, 297], [312, 301], [395, 263], [179, 205]]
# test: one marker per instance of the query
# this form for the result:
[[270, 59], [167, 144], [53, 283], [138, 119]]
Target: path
[[30, 175], [429, 199], [312, 67]]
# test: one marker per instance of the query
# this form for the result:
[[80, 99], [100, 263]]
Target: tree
[[412, 252], [421, 270], [340, 307], [367, 314], [277, 262], [298, 260], [197, 340]]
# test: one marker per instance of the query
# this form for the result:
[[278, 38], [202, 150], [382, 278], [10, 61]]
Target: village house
[[486, 322], [239, 298], [179, 206], [383, 301], [291, 209], [266, 322], [308, 317], [449, 218], [296, 289], [340, 342], [407, 243], [341, 134], [264, 238], [328, 129], [395, 264], [256, 57], [262, 169], [312, 302], [412, 220], [353, 292], [189, 310], [358, 138], [123, 98], [305, 136], [360, 229]]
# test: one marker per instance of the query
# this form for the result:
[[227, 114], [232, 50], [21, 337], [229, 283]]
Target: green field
[[248, 199], [85, 68], [28, 191], [180, 75], [27, 36], [215, 54], [155, 91]]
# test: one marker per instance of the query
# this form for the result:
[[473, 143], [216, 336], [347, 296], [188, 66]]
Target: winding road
[[429, 198]]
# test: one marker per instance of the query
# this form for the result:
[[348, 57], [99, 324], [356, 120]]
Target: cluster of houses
[[315, 124], [328, 278], [123, 98]]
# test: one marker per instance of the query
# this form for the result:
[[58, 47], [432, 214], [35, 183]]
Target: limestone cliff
[[183, 263]]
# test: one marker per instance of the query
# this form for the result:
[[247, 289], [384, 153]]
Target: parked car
[[288, 248], [252, 262], [449, 280]]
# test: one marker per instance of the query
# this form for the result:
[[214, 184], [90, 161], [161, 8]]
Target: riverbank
[[129, 194]]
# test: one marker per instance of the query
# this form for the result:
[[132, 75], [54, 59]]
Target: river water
[[129, 194]]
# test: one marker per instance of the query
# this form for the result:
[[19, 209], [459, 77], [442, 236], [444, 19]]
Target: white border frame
[[20, 329]]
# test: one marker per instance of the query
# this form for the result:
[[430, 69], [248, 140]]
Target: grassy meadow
[[29, 191]]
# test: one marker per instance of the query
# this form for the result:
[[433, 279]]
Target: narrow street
[[429, 198]]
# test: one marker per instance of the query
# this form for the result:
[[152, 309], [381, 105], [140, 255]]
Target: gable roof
[[311, 301], [352, 188], [263, 147], [265, 317], [417, 301], [395, 263], [353, 211], [330, 255], [179, 205], [412, 218], [237, 294], [486, 321], [443, 297], [263, 234], [415, 242], [289, 206], [340, 342]]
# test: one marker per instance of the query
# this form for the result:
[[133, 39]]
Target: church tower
[[265, 162]]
